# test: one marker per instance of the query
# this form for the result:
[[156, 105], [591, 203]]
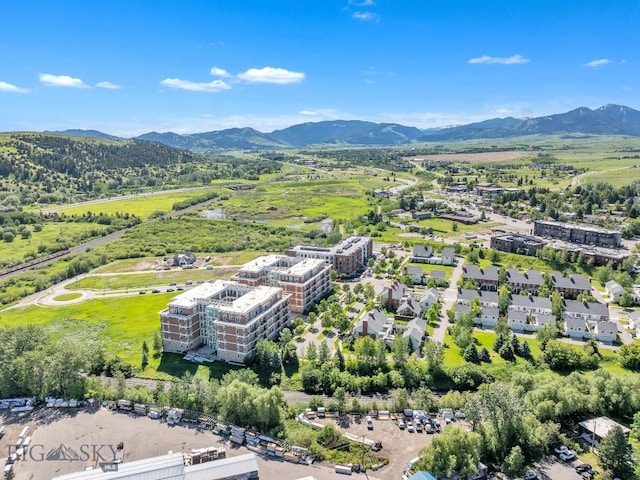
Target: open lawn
[[148, 279], [67, 296], [426, 268], [52, 234], [141, 206]]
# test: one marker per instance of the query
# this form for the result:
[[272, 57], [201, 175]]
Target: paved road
[[448, 299]]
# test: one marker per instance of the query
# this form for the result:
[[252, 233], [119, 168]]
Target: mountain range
[[606, 120]]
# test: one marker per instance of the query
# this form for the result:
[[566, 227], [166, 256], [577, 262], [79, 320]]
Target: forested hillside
[[48, 168]]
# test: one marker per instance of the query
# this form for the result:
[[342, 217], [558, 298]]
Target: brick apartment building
[[584, 234], [347, 258], [305, 280], [517, 243], [225, 316]]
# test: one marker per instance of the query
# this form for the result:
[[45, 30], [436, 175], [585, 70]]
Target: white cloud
[[365, 16], [214, 86], [512, 60], [308, 113], [7, 87], [362, 3], [61, 81], [598, 63], [278, 76], [108, 85], [219, 72]]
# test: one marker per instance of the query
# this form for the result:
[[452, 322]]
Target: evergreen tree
[[145, 355], [615, 454]]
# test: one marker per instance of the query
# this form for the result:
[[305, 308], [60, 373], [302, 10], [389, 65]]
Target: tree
[[312, 353], [7, 236], [557, 304], [546, 333], [471, 354], [340, 396], [615, 454], [504, 299], [338, 360], [285, 336], [454, 226], [433, 353], [454, 450], [324, 353], [157, 343], [484, 356], [400, 351], [629, 356], [145, 355], [494, 256], [515, 462]]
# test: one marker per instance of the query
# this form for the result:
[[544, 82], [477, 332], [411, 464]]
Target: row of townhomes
[[408, 306], [529, 313], [488, 278], [224, 320]]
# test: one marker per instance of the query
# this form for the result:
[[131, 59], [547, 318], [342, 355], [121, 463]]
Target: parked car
[[583, 467], [568, 456], [410, 426], [170, 290], [562, 449], [369, 423], [418, 426], [530, 475], [401, 424]]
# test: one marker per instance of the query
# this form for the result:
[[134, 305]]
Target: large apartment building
[[348, 257], [517, 243], [305, 280], [584, 234], [225, 316]]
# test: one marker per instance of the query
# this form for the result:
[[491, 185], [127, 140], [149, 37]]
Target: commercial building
[[584, 234], [172, 467], [227, 317], [306, 280], [348, 257], [595, 429], [517, 243]]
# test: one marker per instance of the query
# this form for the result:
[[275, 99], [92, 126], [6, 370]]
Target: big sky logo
[[64, 453]]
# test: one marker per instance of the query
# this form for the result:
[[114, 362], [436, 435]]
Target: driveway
[[616, 314], [448, 299]]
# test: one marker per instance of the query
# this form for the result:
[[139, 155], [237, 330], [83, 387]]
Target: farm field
[[141, 206], [483, 157], [148, 279], [59, 233]]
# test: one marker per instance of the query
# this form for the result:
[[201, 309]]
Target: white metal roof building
[[171, 467]]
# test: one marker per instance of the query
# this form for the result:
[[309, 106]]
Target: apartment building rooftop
[[191, 297], [251, 299], [302, 267], [586, 228], [593, 308], [258, 264], [531, 302]]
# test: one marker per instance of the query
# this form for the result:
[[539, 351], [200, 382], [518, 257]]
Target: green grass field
[[142, 280], [140, 206], [51, 234], [67, 296], [448, 270]]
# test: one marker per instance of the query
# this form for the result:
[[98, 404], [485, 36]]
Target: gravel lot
[[142, 437]]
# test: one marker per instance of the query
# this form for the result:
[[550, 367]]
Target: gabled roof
[[408, 307], [575, 323], [431, 296], [574, 281], [473, 271], [437, 274], [611, 283], [416, 329], [484, 296], [634, 318], [448, 252], [591, 308], [517, 316], [531, 301], [608, 328], [531, 277], [376, 320], [396, 289], [412, 270], [423, 251]]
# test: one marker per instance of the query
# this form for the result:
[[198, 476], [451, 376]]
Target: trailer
[[140, 409], [124, 405]]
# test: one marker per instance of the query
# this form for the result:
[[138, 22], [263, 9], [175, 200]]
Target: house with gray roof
[[439, 276], [531, 280], [571, 286], [488, 317], [485, 278], [429, 297], [587, 311], [606, 332], [634, 322], [392, 295], [409, 308], [530, 304], [374, 323], [614, 290], [576, 328], [416, 274], [520, 321], [421, 253], [415, 332], [487, 298], [448, 256]]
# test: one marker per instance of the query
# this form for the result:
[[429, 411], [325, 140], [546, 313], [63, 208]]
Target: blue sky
[[128, 67]]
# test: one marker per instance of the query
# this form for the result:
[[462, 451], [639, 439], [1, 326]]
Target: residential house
[[415, 333], [487, 298], [530, 304], [531, 280], [374, 323], [439, 276], [614, 290], [421, 253], [409, 308], [184, 259], [421, 215], [606, 332], [428, 298], [520, 321], [416, 274], [571, 286], [488, 317], [448, 255], [595, 429], [485, 278], [587, 311], [576, 328], [393, 295]]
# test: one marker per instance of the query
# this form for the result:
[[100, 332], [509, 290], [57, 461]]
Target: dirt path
[[575, 181]]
